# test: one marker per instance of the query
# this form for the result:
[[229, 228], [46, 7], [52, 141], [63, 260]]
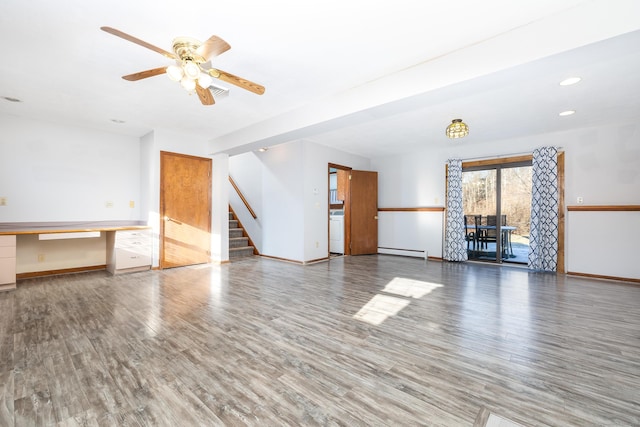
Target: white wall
[[220, 208], [53, 172], [57, 173], [292, 203], [419, 232], [246, 171], [58, 254], [601, 166], [603, 243], [282, 202]]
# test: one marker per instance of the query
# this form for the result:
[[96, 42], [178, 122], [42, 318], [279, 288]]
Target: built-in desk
[[127, 246]]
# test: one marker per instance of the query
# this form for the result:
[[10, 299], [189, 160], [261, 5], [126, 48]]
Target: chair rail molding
[[416, 209], [604, 208]]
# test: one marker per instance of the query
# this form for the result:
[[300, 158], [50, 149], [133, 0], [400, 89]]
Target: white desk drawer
[[133, 244], [130, 259], [9, 240], [7, 270], [8, 251], [126, 236]]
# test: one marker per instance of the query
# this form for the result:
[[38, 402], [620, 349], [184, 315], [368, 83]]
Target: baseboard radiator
[[417, 253]]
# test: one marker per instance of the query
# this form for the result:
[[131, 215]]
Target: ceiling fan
[[193, 67]]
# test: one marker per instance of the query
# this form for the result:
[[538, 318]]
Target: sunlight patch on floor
[[379, 308], [409, 287], [382, 306], [496, 421]]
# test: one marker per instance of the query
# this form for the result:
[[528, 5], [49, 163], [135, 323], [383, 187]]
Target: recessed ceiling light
[[567, 113], [118, 121], [570, 81], [11, 99]]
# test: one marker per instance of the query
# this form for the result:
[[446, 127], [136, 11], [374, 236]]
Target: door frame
[[346, 207], [498, 167], [161, 235]]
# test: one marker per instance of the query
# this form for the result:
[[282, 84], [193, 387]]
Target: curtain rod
[[502, 156]]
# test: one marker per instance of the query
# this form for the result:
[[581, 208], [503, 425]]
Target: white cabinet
[[128, 250], [7, 262]]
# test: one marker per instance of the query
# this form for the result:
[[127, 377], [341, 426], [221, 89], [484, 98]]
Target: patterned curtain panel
[[455, 248], [543, 239]]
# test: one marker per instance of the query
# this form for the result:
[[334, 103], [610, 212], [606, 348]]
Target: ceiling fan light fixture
[[191, 69], [175, 73], [188, 84], [457, 129], [205, 80]]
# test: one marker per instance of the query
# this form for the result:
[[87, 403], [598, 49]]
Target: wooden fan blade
[[138, 41], [213, 47], [144, 74], [235, 80], [205, 95]]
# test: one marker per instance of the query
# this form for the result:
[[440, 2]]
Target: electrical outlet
[[580, 200], [41, 257], [317, 244], [132, 204], [3, 201], [108, 204]]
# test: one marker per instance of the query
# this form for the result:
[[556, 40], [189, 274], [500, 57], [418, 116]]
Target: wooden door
[[185, 209], [363, 201]]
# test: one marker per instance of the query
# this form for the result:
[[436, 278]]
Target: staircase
[[239, 246]]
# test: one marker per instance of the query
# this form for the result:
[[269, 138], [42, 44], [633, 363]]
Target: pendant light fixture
[[457, 129]]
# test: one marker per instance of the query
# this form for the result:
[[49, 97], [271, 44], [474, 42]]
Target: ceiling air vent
[[219, 91]]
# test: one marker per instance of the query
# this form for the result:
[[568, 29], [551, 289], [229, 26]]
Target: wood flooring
[[355, 341]]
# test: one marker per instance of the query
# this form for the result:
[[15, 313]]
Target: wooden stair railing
[[244, 200]]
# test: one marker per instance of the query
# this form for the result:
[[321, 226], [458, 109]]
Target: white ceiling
[[371, 78]]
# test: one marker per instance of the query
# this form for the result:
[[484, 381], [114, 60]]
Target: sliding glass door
[[497, 206], [479, 198], [516, 208]]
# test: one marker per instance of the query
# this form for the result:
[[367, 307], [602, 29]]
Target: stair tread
[[241, 252], [238, 240]]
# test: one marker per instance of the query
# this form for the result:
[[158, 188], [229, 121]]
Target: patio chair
[[491, 234], [470, 236]]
